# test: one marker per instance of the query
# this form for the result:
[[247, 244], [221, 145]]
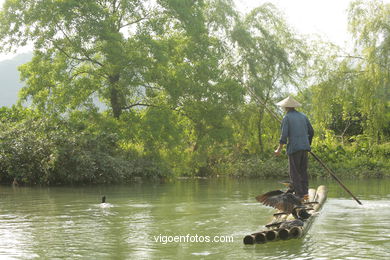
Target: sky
[[326, 18]]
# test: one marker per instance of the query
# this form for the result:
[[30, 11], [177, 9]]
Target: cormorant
[[286, 201], [104, 204]]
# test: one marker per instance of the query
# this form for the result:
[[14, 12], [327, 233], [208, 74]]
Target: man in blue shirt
[[297, 133]]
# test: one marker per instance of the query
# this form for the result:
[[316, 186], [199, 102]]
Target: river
[[186, 219]]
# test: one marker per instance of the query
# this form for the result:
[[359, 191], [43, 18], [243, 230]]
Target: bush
[[38, 150], [95, 148], [355, 159], [260, 166]]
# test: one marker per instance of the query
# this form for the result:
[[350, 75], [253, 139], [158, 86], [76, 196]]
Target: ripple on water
[[205, 253], [352, 231], [140, 205], [106, 205]]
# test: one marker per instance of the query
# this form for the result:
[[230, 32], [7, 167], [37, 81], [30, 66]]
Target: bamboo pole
[[334, 177], [255, 238], [320, 198]]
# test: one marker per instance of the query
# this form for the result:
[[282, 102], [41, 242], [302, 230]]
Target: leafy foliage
[[40, 150], [119, 89]]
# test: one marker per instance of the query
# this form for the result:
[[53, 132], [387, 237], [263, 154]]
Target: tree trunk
[[115, 98], [260, 130]]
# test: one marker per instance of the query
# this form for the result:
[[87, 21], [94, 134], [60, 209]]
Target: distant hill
[[10, 79]]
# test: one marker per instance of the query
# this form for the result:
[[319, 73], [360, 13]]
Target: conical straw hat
[[289, 102]]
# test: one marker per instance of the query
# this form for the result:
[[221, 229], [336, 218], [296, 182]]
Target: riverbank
[[72, 151], [94, 148], [57, 162], [356, 167], [251, 167]]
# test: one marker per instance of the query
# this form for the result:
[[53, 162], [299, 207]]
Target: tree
[[124, 52], [369, 23], [145, 59], [82, 50], [349, 92], [189, 71], [270, 57]]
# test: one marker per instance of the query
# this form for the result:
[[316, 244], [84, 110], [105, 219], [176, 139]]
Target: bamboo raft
[[273, 233]]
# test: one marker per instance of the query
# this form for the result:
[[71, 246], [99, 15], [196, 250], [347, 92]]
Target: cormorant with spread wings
[[286, 202]]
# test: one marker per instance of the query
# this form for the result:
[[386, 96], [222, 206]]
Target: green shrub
[[38, 150]]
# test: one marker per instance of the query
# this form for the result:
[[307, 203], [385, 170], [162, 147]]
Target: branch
[[352, 71], [88, 58], [351, 56], [114, 7], [72, 57], [349, 123], [139, 104], [80, 72], [146, 85], [133, 22], [177, 108], [362, 58]]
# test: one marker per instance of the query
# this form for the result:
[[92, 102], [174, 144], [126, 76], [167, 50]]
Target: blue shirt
[[296, 128]]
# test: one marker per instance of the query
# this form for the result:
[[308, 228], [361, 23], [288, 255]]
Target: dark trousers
[[298, 172]]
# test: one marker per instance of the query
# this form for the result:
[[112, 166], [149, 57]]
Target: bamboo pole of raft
[[320, 197], [273, 233]]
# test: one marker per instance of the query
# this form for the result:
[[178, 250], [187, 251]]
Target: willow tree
[[271, 57], [190, 72], [350, 91], [369, 22], [330, 99]]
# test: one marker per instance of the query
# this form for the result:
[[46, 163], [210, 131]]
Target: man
[[297, 130]]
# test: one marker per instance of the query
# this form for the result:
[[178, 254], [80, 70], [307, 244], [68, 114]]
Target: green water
[[70, 222]]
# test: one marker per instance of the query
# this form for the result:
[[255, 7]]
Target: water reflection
[[71, 222]]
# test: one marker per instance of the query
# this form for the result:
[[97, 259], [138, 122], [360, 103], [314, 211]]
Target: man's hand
[[278, 150]]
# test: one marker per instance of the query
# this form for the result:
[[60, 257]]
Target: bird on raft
[[285, 201]]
